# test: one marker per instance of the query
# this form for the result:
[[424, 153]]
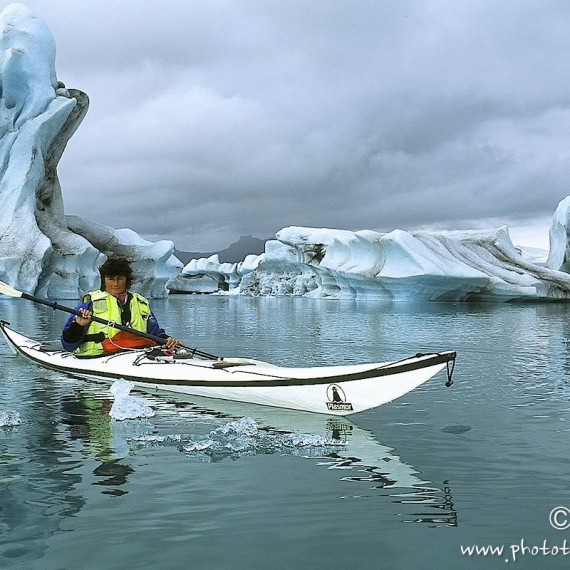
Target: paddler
[[113, 303]]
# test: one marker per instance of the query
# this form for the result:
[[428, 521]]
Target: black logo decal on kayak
[[337, 399]]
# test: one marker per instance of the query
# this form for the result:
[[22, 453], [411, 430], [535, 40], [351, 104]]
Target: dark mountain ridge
[[234, 253]]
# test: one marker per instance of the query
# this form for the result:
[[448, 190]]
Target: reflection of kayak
[[334, 390], [336, 444], [348, 447]]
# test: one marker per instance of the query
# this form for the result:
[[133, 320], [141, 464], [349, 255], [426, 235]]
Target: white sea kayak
[[333, 390]]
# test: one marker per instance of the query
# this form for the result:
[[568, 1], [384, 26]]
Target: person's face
[[115, 284]]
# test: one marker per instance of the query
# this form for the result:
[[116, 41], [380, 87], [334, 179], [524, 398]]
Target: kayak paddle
[[5, 289]]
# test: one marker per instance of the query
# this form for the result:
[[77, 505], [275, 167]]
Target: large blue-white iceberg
[[41, 250], [394, 266]]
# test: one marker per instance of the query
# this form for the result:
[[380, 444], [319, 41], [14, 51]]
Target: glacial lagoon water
[[418, 483]]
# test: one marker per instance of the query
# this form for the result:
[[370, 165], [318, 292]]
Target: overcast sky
[[211, 119]]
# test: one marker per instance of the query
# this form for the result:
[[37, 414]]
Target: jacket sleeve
[[72, 334], [154, 328]]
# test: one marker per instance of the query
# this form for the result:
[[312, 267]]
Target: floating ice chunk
[[125, 406], [158, 439], [244, 426], [308, 440], [9, 419], [202, 445], [131, 408], [244, 436], [121, 389]]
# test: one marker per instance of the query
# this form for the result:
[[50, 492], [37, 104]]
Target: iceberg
[[41, 251], [153, 263], [396, 266], [559, 235], [208, 275]]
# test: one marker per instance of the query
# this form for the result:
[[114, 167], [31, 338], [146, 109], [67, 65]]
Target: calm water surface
[[409, 485]]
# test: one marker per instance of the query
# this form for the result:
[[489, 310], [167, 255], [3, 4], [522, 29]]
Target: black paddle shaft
[[159, 340]]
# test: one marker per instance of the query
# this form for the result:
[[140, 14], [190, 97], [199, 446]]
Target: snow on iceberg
[[39, 252], [395, 266]]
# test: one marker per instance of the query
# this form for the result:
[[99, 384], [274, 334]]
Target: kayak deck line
[[387, 369]]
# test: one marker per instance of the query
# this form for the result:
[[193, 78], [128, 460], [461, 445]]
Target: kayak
[[334, 390]]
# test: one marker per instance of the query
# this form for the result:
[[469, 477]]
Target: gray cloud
[[210, 120]]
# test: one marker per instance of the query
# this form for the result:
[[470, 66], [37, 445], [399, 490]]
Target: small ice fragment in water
[[9, 419], [308, 440], [130, 409], [244, 436], [243, 426], [121, 389], [176, 438], [126, 407], [203, 445]]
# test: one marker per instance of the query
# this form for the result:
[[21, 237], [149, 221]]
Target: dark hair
[[116, 266]]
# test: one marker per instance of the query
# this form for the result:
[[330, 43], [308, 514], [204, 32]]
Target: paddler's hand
[[85, 318], [171, 343]]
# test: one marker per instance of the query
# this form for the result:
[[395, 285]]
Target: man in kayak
[[113, 303]]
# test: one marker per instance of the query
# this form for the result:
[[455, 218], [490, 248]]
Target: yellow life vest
[[106, 307]]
